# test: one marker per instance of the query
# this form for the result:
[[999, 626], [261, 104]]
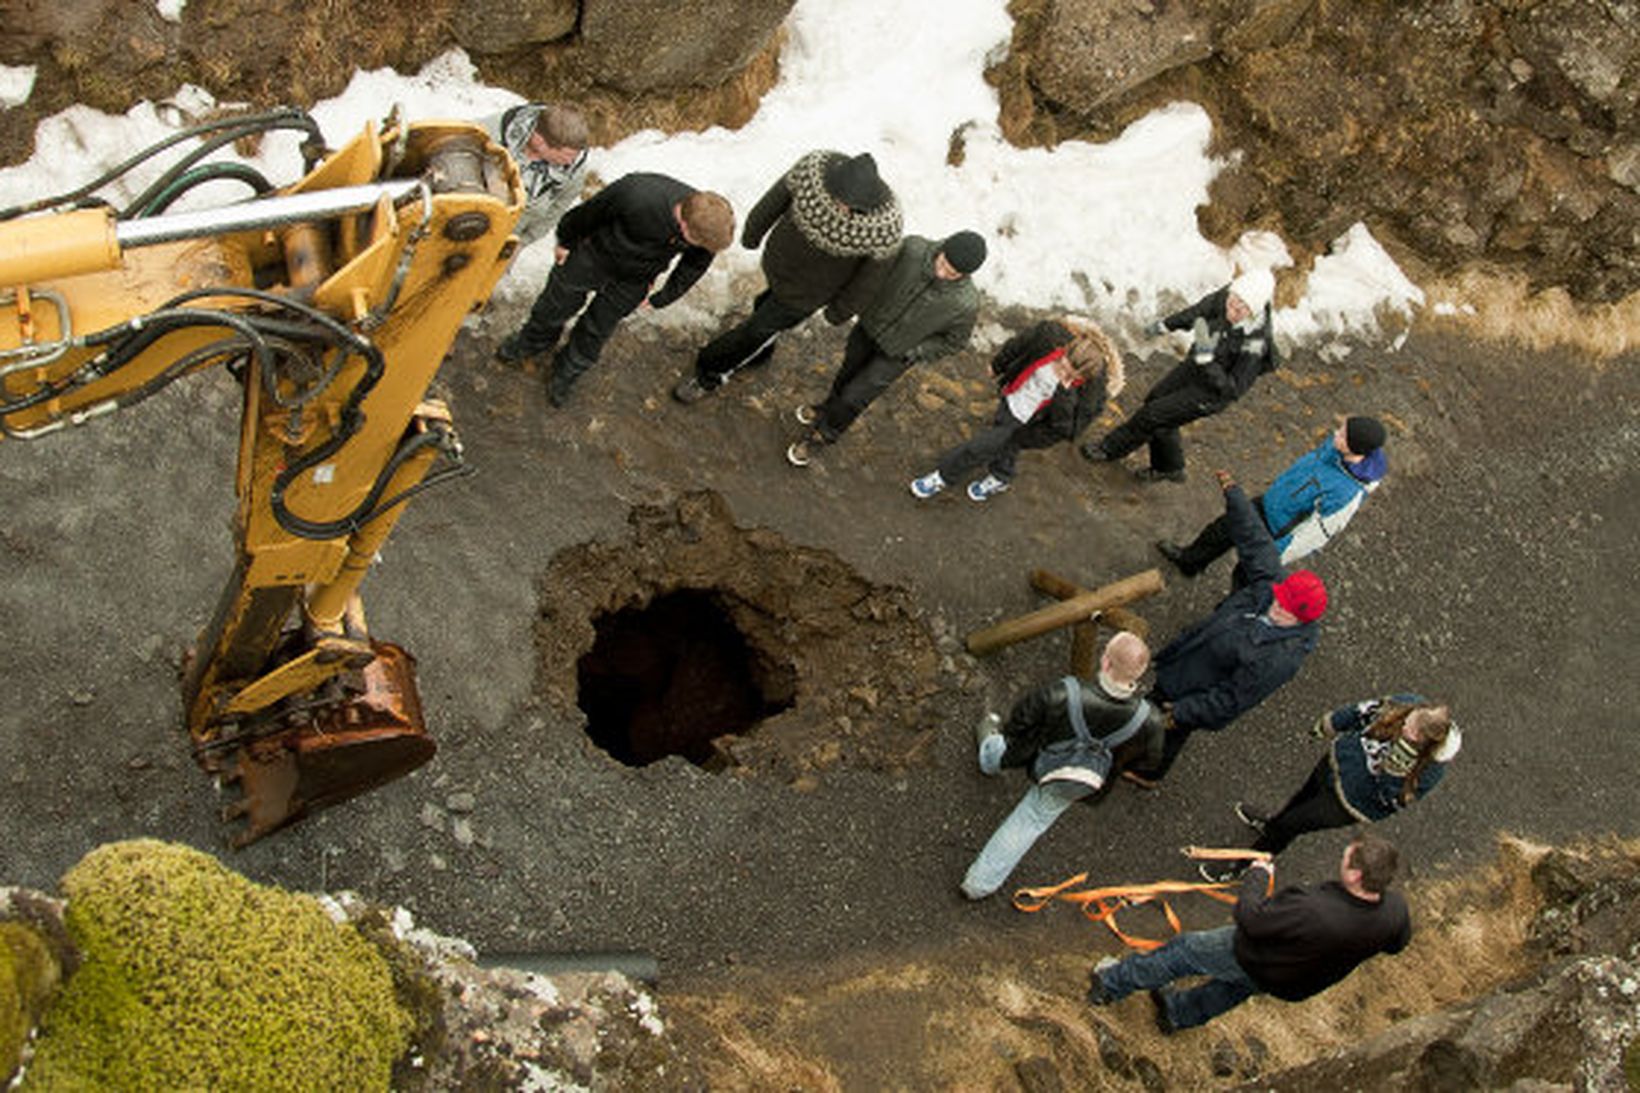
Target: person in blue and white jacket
[[1053, 380], [1307, 505], [1386, 753]]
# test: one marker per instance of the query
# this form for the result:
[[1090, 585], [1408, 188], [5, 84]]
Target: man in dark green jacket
[[923, 309]]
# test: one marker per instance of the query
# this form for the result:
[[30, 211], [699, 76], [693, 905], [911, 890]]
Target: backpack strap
[[1125, 733], [1073, 706]]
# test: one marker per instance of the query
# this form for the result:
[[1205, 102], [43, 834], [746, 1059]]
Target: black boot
[[1174, 553]]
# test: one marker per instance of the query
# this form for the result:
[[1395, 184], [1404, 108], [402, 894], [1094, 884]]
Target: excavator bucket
[[336, 750]]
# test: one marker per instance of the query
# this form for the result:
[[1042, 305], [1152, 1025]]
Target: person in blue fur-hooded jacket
[[1386, 753]]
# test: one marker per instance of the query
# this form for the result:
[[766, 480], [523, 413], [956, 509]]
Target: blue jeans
[[1202, 952], [1034, 814]]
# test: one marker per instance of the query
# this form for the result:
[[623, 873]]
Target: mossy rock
[[28, 977], [196, 978]]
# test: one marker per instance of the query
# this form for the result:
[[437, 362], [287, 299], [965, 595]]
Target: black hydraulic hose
[[283, 118], [176, 170], [365, 510], [207, 172]]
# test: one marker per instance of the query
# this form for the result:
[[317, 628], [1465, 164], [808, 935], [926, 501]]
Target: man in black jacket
[[611, 248], [822, 225], [1252, 643], [1233, 345], [1292, 944], [1109, 704]]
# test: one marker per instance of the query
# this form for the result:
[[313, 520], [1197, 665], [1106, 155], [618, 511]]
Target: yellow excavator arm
[[333, 301]]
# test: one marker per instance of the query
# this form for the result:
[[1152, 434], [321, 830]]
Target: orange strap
[[1102, 904]]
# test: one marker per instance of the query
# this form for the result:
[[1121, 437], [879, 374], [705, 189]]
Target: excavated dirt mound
[[693, 623]]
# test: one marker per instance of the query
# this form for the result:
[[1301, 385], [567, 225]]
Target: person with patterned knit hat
[[1307, 504], [1232, 345], [548, 141], [1054, 379], [920, 309], [1241, 654], [822, 226]]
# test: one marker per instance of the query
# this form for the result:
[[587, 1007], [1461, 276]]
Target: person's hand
[[1225, 479], [645, 305], [1322, 727], [1203, 342], [1167, 717], [559, 253], [1266, 864]]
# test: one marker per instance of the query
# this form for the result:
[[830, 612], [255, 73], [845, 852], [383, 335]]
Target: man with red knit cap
[[1252, 643]]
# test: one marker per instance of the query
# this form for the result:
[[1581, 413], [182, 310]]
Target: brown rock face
[[640, 46], [1462, 132], [501, 27]]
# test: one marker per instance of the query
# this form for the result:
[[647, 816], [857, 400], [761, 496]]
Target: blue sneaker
[[927, 486], [986, 488]]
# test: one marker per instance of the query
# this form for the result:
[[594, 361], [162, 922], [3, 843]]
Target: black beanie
[[1364, 435], [965, 251], [854, 181]]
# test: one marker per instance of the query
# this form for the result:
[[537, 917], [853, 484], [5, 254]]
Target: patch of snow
[[1105, 230], [16, 85], [170, 10]]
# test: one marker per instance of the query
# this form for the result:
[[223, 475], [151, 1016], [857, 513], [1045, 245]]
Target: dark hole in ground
[[673, 676]]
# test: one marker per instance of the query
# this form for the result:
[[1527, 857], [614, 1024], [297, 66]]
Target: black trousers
[[747, 345], [865, 374], [1180, 397], [1212, 541], [1315, 807], [997, 447], [565, 294]]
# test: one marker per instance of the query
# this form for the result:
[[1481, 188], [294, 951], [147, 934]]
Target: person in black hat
[[923, 308], [1307, 504], [826, 221]]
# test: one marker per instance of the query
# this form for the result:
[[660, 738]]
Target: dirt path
[[1494, 569]]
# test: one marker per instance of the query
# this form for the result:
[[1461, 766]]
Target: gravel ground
[[1494, 569]]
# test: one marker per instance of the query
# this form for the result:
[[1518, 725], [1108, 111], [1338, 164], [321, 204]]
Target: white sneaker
[[806, 415], [799, 455], [927, 486], [986, 488]]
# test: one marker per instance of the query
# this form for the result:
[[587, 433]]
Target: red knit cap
[[1303, 594]]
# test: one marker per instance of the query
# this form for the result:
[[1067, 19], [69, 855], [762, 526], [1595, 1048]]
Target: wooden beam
[[1065, 613]]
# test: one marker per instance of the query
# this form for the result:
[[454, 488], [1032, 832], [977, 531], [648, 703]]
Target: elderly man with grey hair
[[1049, 733], [1232, 345]]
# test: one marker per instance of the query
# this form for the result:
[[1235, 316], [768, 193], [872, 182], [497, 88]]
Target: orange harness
[[1102, 904]]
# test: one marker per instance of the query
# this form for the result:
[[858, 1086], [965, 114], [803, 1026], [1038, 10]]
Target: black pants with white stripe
[[747, 345]]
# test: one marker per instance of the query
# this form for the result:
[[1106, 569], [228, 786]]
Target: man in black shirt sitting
[[1292, 944]]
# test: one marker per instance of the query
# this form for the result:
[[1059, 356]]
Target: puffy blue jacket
[[1313, 499]]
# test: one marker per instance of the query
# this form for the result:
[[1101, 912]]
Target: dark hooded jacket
[[1232, 660], [915, 315], [632, 231], [1241, 356], [816, 252], [1041, 717]]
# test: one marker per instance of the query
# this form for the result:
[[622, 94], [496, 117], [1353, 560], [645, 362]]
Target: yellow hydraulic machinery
[[332, 301]]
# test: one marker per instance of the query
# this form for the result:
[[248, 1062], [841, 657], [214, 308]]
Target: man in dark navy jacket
[[1293, 944], [612, 248], [1251, 644]]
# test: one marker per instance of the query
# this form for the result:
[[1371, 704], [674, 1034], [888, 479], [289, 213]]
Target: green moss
[[28, 976], [195, 978]]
